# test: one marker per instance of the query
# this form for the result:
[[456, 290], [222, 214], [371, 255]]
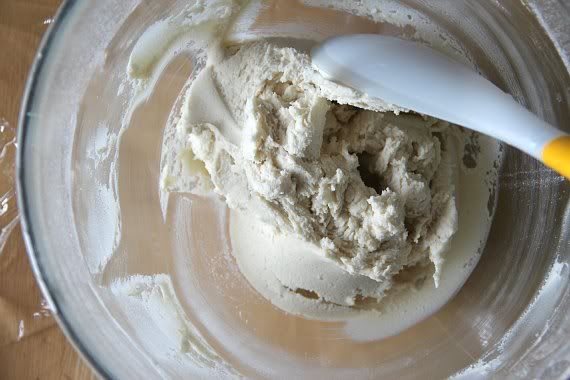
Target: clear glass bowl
[[88, 193]]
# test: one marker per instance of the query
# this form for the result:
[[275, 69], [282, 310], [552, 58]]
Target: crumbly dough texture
[[372, 187]]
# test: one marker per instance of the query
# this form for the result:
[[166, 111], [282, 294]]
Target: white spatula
[[421, 79]]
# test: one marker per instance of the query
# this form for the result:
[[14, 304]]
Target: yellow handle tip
[[556, 155]]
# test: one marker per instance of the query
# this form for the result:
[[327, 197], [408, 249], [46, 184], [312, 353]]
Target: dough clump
[[371, 185]]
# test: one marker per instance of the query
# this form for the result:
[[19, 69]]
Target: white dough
[[278, 141]]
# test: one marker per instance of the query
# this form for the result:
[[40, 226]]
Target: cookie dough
[[371, 186]]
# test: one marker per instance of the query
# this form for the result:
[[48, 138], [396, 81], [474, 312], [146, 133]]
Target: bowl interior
[[141, 293]]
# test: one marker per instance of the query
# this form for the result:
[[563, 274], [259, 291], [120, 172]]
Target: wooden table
[[31, 344]]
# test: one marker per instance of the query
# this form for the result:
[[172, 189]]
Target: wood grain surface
[[31, 344]]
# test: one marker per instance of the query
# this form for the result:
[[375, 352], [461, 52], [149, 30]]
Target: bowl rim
[[24, 124]]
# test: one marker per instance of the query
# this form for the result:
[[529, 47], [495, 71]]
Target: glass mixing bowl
[[142, 296]]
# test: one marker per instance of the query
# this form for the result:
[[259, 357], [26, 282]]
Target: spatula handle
[[556, 155]]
